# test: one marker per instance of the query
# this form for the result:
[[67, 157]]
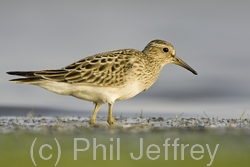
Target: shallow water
[[137, 140]]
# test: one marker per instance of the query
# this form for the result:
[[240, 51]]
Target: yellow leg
[[97, 107], [110, 120]]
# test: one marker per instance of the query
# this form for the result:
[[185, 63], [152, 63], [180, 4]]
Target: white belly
[[93, 93]]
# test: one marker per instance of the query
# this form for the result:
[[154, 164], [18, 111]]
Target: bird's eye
[[165, 50]]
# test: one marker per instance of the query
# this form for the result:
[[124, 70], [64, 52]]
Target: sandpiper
[[107, 77]]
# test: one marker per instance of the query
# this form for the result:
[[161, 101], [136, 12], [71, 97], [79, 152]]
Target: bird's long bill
[[181, 63]]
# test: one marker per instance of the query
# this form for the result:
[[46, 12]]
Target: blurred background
[[211, 36]]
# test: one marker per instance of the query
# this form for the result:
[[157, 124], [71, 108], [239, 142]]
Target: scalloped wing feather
[[106, 69]]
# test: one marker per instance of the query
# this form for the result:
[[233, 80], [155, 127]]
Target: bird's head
[[164, 53]]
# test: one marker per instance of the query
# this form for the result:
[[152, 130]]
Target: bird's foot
[[111, 121], [92, 121]]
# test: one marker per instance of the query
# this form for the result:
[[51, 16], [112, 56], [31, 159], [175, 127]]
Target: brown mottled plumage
[[107, 77]]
